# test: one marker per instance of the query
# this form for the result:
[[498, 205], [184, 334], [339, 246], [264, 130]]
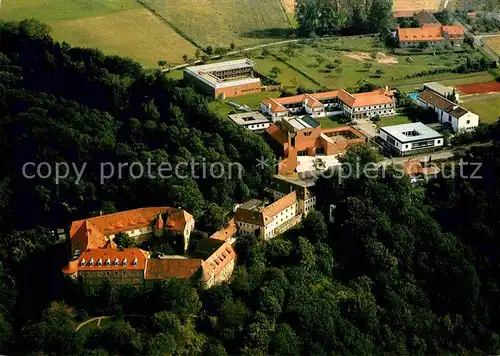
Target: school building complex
[[379, 102]]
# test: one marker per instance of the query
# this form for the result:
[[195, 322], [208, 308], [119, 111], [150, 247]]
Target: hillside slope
[[220, 22], [105, 24]]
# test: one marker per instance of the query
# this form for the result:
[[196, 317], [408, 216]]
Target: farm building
[[430, 34], [225, 79]]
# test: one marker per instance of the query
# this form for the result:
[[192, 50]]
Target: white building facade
[[410, 138]]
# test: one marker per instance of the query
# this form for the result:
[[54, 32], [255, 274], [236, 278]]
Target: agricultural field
[[220, 22], [493, 43], [120, 27]]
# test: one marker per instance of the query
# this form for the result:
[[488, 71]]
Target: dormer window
[[135, 261], [91, 262], [108, 262], [99, 262], [125, 261], [82, 263], [117, 262]]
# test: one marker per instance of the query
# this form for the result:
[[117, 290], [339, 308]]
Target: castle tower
[[159, 225]]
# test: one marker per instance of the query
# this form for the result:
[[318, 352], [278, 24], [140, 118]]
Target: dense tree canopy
[[328, 17]]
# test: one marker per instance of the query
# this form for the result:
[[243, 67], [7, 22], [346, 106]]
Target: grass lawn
[[493, 43], [350, 52], [289, 77], [329, 122], [460, 79], [119, 27], [395, 120], [252, 100], [220, 22], [55, 10], [488, 109]]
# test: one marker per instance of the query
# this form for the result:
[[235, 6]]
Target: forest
[[327, 17], [394, 269]]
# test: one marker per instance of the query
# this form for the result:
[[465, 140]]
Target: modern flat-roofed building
[[410, 138], [458, 117], [253, 121], [379, 102], [224, 79]]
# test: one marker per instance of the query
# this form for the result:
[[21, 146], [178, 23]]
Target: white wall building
[[379, 102], [410, 138], [253, 121], [459, 118], [272, 220]]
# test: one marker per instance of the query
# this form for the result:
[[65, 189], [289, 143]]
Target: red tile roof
[[454, 31], [172, 267], [411, 167], [92, 232], [213, 265], [108, 259], [278, 206], [226, 232], [425, 33], [376, 97], [277, 134], [274, 105]]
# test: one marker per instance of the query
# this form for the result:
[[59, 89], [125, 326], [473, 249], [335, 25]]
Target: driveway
[[366, 127]]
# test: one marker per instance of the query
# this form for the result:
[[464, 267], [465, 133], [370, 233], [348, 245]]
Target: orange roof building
[[432, 34], [293, 138], [379, 102], [95, 256], [269, 221]]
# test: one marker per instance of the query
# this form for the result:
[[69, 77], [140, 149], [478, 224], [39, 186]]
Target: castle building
[[272, 220], [95, 256]]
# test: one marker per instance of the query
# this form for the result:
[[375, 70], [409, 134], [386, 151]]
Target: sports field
[[480, 88], [121, 27], [220, 22]]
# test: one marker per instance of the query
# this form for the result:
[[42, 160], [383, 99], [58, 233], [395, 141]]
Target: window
[[307, 133], [468, 122], [438, 142]]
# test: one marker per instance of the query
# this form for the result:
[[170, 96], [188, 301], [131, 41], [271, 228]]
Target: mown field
[[220, 22], [121, 27], [494, 44], [487, 109]]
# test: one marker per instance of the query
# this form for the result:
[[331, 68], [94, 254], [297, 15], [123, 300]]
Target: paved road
[[98, 318]]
